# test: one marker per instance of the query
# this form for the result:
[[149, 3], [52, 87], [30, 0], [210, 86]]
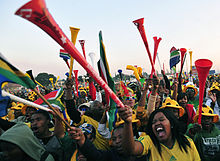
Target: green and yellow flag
[[106, 76], [9, 72]]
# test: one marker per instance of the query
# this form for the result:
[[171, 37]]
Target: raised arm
[[153, 96], [130, 146], [86, 147]]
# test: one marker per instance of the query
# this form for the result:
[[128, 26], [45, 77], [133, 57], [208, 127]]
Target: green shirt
[[68, 146], [208, 144], [195, 103]]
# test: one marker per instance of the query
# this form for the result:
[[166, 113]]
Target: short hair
[[44, 113], [180, 96]]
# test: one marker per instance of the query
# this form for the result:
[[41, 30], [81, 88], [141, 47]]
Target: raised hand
[[77, 134], [125, 113], [213, 97]]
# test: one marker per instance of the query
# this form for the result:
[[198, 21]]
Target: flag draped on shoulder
[[106, 76], [174, 57], [12, 74]]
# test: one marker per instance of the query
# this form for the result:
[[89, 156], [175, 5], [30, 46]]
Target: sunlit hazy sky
[[192, 24]]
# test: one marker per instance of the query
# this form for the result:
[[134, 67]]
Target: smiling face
[[183, 102], [117, 140], [162, 128]]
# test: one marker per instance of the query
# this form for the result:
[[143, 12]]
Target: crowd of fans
[[159, 121]]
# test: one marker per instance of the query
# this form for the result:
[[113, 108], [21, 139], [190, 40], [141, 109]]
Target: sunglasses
[[84, 109], [129, 97], [190, 90]]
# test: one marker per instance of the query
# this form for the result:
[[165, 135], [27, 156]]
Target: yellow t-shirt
[[167, 154], [99, 142]]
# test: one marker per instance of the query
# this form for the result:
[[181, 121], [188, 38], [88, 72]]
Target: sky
[[190, 24]]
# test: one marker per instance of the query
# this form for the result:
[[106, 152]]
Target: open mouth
[[160, 132], [35, 129]]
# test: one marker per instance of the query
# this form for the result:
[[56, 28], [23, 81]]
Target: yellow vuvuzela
[[74, 33]]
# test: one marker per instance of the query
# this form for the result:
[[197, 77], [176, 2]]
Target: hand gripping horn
[[203, 66], [139, 23], [82, 43], [37, 12]]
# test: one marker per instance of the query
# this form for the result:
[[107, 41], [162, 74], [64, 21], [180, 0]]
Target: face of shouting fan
[[39, 125], [162, 128]]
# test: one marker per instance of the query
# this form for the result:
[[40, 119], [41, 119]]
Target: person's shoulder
[[216, 130], [49, 158], [144, 138]]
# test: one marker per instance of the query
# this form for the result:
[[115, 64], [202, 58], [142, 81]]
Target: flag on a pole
[[64, 54], [174, 57], [106, 76], [54, 98], [9, 73]]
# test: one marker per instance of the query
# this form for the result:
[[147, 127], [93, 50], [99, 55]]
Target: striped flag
[[106, 76], [64, 54], [11, 73], [174, 57], [54, 98]]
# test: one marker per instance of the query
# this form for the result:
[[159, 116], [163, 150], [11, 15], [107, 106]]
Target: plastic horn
[[183, 57], [92, 57], [139, 23], [183, 52], [159, 61], [130, 67], [140, 72], [56, 81], [74, 33], [51, 80], [156, 44], [82, 43], [120, 73], [203, 66], [37, 12], [190, 54], [26, 102]]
